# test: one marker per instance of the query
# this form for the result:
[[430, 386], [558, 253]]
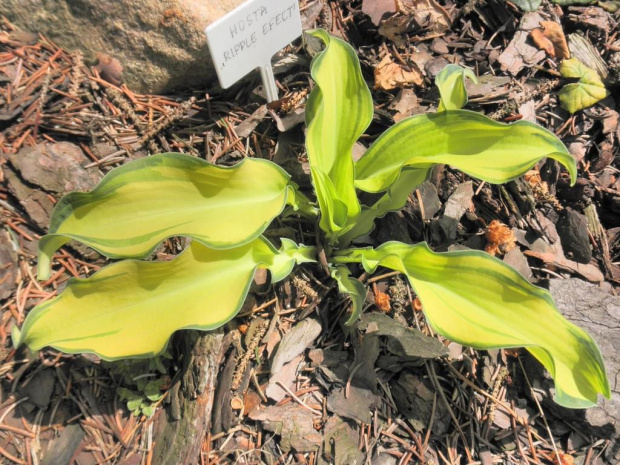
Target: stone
[[599, 314], [160, 45]]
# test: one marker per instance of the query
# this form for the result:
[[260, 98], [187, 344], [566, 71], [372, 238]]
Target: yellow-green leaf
[[143, 202], [477, 145], [131, 308], [583, 94], [479, 301], [347, 284], [391, 200], [339, 110], [451, 84]]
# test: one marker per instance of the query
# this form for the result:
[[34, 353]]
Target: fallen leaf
[[542, 42], [378, 9], [404, 104], [551, 39], [583, 94], [429, 14], [589, 272], [390, 75], [553, 31], [424, 17], [519, 53]]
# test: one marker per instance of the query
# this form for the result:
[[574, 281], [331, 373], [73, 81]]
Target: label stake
[[249, 36]]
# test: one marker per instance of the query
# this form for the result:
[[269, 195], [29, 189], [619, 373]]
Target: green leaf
[[153, 389], [477, 145], [143, 202], [528, 5], [583, 94], [477, 300], [573, 2], [134, 400], [339, 110], [147, 410], [351, 286], [300, 203], [131, 308], [451, 84]]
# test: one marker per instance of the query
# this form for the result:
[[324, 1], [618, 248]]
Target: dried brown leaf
[[390, 75], [424, 17], [551, 39], [553, 31], [542, 42]]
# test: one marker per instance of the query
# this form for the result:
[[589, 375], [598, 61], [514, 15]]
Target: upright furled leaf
[[339, 110], [477, 145], [347, 284], [583, 94], [451, 84], [143, 202], [393, 199], [477, 300], [131, 308]]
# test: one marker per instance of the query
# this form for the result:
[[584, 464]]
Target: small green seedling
[[142, 382], [132, 307]]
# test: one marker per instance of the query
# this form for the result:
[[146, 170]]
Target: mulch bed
[[339, 395]]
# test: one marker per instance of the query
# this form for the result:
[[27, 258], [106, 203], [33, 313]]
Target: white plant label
[[249, 36]]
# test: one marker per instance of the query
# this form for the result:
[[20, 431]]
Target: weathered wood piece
[[183, 427]]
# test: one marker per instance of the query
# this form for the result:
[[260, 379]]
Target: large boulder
[[160, 44]]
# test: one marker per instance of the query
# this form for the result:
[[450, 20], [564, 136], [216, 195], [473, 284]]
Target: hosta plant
[[132, 307]]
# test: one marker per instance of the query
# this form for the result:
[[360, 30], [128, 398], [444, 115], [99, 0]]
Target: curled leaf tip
[[16, 337]]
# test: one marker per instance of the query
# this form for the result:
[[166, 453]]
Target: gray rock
[[160, 44], [599, 314]]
